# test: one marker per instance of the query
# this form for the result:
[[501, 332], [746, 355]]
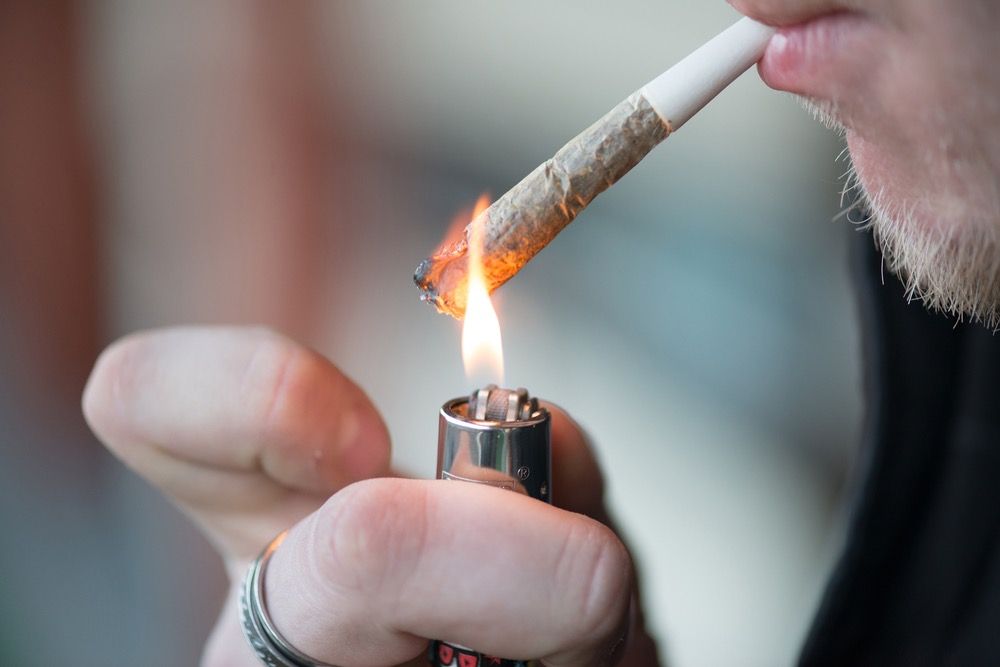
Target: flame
[[482, 347]]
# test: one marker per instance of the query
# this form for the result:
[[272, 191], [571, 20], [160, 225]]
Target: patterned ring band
[[267, 643]]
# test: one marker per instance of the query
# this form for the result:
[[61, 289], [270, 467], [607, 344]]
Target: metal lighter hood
[[499, 437]]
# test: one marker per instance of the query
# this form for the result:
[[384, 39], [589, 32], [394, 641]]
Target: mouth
[[826, 58]]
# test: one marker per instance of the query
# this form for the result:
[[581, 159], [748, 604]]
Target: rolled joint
[[518, 225]]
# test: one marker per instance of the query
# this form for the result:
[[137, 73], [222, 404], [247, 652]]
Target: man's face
[[916, 86]]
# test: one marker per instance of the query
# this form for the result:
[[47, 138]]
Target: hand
[[251, 434]]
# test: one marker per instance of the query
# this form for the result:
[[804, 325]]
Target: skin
[[251, 434], [915, 87]]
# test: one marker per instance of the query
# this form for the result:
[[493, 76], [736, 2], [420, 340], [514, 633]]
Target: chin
[[933, 235]]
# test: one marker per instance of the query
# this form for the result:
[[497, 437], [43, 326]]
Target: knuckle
[[370, 531], [277, 384], [602, 568]]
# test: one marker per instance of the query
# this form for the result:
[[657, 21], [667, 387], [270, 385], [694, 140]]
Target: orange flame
[[482, 347]]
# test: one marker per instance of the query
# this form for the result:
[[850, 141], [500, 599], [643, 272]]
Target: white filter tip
[[682, 91]]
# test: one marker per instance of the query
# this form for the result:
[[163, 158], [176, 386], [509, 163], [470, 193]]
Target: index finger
[[184, 405]]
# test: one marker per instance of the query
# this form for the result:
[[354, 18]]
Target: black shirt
[[918, 582]]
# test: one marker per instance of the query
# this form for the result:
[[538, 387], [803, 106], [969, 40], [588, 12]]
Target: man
[[915, 87], [251, 434]]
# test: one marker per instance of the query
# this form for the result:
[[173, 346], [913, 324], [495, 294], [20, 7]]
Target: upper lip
[[782, 13]]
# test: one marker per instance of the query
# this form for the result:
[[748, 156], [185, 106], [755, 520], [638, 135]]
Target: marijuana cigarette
[[524, 220]]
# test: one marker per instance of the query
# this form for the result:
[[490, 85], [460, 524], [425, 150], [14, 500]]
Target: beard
[[952, 267], [955, 271]]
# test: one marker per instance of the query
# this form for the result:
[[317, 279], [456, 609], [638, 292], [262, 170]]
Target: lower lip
[[818, 57]]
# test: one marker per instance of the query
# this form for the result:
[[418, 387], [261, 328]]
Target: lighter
[[498, 437]]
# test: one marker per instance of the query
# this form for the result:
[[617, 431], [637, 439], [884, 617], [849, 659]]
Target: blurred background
[[290, 163]]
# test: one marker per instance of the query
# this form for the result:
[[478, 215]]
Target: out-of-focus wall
[[696, 319]]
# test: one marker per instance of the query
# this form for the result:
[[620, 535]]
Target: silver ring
[[270, 647]]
